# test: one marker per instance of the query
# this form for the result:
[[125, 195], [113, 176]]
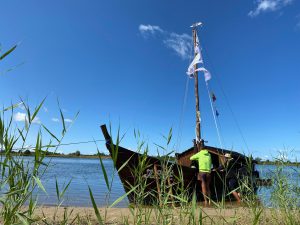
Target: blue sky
[[124, 62]]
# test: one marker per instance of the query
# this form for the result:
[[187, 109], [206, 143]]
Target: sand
[[210, 215]]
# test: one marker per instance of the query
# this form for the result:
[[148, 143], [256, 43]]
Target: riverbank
[[65, 156], [209, 215]]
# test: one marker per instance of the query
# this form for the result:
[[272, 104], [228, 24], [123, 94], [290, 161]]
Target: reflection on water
[[87, 172]]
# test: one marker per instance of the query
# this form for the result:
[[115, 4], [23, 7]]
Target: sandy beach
[[210, 215]]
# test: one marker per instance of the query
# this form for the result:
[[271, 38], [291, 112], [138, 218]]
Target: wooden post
[[198, 132]]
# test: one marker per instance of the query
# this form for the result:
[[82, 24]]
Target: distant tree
[[48, 153], [101, 154], [77, 153], [27, 152], [257, 159]]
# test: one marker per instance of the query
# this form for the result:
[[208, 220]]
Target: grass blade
[[39, 183], [104, 171], [8, 52], [37, 110], [169, 137], [62, 119], [57, 189], [49, 132], [21, 218], [124, 164], [95, 207], [65, 189], [12, 106], [122, 197]]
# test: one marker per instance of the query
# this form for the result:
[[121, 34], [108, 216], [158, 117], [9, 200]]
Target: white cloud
[[45, 109], [37, 120], [55, 119], [268, 6], [152, 29], [180, 43], [68, 120], [21, 117]]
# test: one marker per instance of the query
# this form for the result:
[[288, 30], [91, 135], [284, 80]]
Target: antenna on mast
[[196, 25]]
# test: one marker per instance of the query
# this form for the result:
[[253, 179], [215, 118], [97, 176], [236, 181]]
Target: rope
[[179, 134], [212, 106], [52, 146], [227, 102], [213, 112]]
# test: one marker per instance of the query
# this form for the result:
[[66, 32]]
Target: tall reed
[[20, 177]]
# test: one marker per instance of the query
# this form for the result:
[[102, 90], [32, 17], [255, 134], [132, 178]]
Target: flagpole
[[198, 130]]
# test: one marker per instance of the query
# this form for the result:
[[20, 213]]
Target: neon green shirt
[[204, 160]]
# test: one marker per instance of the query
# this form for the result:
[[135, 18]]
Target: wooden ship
[[183, 174]]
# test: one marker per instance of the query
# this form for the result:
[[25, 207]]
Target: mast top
[[196, 24]]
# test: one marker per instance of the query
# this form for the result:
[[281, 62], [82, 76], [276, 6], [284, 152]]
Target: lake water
[[87, 172], [83, 173]]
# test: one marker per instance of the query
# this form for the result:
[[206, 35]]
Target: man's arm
[[195, 157]]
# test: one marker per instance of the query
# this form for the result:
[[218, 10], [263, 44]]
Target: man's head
[[228, 156]]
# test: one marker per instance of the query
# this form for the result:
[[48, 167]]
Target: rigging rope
[[227, 101], [52, 146], [212, 108], [214, 115], [179, 134]]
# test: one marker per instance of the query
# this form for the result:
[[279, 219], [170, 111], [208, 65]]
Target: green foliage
[[20, 176]]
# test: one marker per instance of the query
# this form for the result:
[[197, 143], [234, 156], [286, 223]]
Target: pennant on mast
[[196, 60], [207, 75], [213, 97]]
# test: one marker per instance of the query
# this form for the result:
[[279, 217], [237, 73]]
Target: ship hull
[[148, 180]]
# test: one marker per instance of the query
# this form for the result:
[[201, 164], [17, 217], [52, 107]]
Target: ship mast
[[198, 120]]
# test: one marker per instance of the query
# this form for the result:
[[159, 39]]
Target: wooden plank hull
[[151, 177]]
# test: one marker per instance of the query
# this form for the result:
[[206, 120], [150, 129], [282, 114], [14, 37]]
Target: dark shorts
[[232, 184], [204, 177]]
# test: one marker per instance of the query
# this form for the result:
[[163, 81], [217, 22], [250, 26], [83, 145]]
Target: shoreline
[[67, 156], [263, 163], [208, 215]]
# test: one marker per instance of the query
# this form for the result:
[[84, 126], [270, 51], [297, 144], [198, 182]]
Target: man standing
[[204, 162], [230, 176]]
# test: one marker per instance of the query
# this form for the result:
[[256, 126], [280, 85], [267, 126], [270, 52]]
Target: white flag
[[207, 75], [197, 47], [197, 59]]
